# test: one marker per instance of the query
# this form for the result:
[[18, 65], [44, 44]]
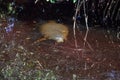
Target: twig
[[74, 24], [115, 7], [86, 22], [105, 10], [36, 1], [118, 35], [118, 14]]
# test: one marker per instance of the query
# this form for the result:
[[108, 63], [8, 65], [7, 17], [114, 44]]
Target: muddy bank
[[98, 59]]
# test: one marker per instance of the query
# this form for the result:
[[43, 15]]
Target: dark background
[[100, 12]]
